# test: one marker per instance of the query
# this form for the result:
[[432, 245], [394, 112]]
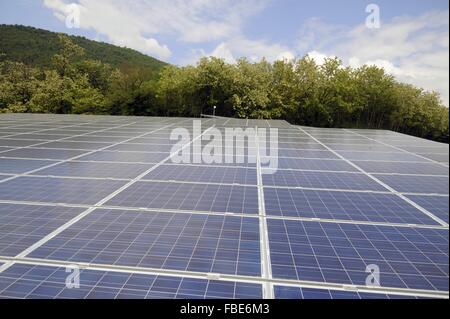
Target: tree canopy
[[299, 91]]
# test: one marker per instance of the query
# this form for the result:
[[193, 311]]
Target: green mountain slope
[[36, 47]]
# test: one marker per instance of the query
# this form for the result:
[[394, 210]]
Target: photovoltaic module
[[106, 193]]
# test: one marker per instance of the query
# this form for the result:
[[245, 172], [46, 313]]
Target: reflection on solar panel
[[343, 206]]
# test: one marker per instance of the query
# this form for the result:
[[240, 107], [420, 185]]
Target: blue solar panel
[[75, 145], [443, 158], [23, 225], [16, 143], [326, 220], [416, 184], [304, 153], [381, 156], [124, 157], [45, 282], [184, 196], [20, 166], [203, 243], [39, 153], [3, 149], [104, 139], [301, 146], [204, 174], [372, 207], [312, 164], [99, 170], [142, 147], [57, 190], [427, 148], [339, 253], [402, 168], [437, 205], [362, 147], [329, 180], [283, 292], [41, 137]]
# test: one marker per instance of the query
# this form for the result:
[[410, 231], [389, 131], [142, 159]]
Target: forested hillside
[[35, 47], [300, 91]]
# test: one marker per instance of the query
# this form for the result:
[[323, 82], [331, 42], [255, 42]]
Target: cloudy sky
[[412, 42]]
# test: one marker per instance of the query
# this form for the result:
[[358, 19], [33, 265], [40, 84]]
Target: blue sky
[[412, 42]]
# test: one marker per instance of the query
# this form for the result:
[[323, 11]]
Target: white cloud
[[240, 46], [318, 57], [136, 23], [223, 52], [414, 49], [286, 56]]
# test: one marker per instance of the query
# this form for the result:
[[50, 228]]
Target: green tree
[[67, 56], [18, 83]]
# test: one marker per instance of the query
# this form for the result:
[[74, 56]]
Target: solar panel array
[[104, 194]]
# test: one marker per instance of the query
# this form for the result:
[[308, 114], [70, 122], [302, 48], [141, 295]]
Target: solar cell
[[42, 137], [380, 156], [143, 147], [426, 149], [329, 180], [204, 174], [300, 146], [362, 147], [105, 139], [443, 158], [4, 149], [99, 170], [304, 153], [20, 166], [402, 168], [312, 164], [16, 143], [437, 205], [124, 157], [371, 207], [339, 253], [57, 190], [39, 153], [45, 282], [186, 196], [75, 145], [284, 292], [23, 225], [416, 184], [202, 243]]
